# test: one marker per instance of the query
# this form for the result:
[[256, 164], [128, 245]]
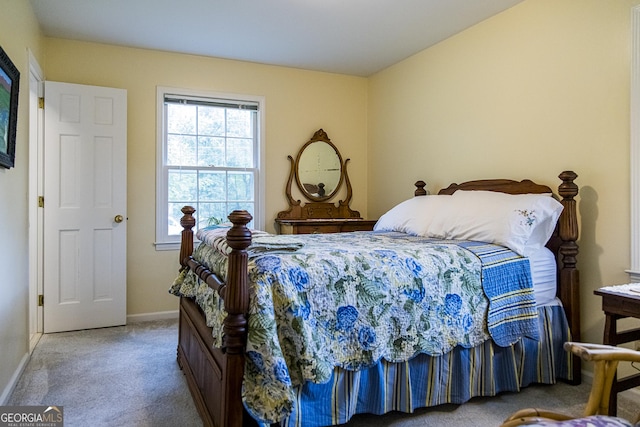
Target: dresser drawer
[[314, 226], [314, 229], [363, 225]]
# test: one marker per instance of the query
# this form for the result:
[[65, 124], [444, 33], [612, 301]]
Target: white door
[[85, 156]]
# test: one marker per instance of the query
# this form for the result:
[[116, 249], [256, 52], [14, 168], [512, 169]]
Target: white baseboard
[[35, 338], [146, 317], [4, 397]]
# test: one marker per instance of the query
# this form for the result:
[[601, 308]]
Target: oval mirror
[[319, 168]]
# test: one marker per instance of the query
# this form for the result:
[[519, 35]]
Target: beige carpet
[[128, 376], [122, 376]]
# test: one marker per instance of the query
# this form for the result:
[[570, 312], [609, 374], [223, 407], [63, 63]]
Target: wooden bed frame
[[215, 375]]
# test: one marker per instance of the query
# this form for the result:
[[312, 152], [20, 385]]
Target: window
[[208, 158]]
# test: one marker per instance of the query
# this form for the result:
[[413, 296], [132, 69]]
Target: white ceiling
[[356, 37]]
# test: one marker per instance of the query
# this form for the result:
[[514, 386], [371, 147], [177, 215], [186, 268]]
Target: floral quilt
[[349, 300]]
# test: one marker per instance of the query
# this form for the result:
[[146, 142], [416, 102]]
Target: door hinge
[[40, 300], [41, 103], [41, 201]]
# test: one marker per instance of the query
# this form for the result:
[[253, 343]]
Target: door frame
[[35, 213]]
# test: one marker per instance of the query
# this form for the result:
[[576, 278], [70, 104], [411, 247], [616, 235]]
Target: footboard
[[214, 375], [201, 363]]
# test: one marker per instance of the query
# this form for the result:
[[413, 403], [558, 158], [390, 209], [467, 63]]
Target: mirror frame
[[318, 207], [319, 136]]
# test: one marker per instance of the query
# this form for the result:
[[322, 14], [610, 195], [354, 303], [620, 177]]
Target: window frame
[[163, 241], [634, 148]]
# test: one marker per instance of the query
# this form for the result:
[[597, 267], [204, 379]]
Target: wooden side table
[[619, 302]]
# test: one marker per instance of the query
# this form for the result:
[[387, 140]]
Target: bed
[[257, 348]]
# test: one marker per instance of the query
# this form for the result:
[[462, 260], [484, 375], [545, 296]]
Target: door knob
[[118, 219]]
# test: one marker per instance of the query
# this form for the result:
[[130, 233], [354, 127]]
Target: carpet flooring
[[121, 376], [128, 376]]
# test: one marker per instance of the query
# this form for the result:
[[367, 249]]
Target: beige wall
[[298, 103], [18, 32], [541, 88]]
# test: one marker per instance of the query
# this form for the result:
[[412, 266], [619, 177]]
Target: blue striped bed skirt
[[423, 381]]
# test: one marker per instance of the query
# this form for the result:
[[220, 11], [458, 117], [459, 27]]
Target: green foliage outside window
[[210, 161]]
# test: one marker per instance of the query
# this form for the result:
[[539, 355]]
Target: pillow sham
[[521, 222]]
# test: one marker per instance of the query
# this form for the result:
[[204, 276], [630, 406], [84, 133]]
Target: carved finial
[[186, 247], [568, 189], [420, 191], [188, 221], [320, 135], [239, 236]]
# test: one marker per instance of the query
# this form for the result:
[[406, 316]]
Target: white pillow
[[521, 222], [412, 216]]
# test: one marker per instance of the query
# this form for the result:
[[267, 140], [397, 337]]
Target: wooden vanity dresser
[[319, 172]]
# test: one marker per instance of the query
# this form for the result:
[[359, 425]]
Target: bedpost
[[569, 275], [236, 302], [186, 244], [420, 191]]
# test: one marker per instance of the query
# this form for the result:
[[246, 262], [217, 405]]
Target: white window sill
[[167, 246], [634, 276], [172, 246]]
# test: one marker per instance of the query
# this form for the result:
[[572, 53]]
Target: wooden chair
[[605, 359]]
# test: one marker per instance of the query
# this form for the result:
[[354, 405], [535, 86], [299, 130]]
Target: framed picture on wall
[[9, 83]]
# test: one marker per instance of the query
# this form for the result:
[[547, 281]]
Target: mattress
[[544, 276]]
